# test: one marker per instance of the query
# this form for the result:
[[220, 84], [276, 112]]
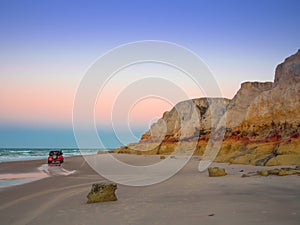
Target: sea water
[[21, 154]]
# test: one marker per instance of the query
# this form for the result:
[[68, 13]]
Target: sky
[[46, 47]]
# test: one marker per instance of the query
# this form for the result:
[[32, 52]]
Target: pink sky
[[46, 102], [41, 93]]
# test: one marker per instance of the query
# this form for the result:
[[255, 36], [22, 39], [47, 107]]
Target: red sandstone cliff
[[261, 123]]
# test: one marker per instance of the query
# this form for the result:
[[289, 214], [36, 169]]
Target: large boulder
[[216, 172], [102, 192]]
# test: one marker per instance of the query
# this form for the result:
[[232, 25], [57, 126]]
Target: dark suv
[[55, 156]]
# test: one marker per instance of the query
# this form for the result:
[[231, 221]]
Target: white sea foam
[[55, 170], [13, 154]]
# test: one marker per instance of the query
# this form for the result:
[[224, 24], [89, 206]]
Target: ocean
[[21, 154]]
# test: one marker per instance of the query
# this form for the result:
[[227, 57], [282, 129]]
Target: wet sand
[[189, 197]]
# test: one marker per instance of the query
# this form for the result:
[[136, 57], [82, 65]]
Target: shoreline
[[14, 173], [25, 154]]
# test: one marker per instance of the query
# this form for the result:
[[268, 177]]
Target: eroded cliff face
[[186, 123], [262, 122], [279, 103]]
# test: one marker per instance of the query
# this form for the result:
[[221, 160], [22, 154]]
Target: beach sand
[[189, 197]]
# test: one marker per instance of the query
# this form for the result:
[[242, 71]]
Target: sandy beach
[[189, 197]]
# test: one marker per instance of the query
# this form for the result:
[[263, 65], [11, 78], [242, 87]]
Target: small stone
[[245, 175], [162, 157], [273, 172], [264, 172], [102, 192], [286, 172], [216, 172], [212, 214]]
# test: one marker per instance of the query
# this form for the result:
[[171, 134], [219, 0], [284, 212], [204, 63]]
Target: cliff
[[261, 123]]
